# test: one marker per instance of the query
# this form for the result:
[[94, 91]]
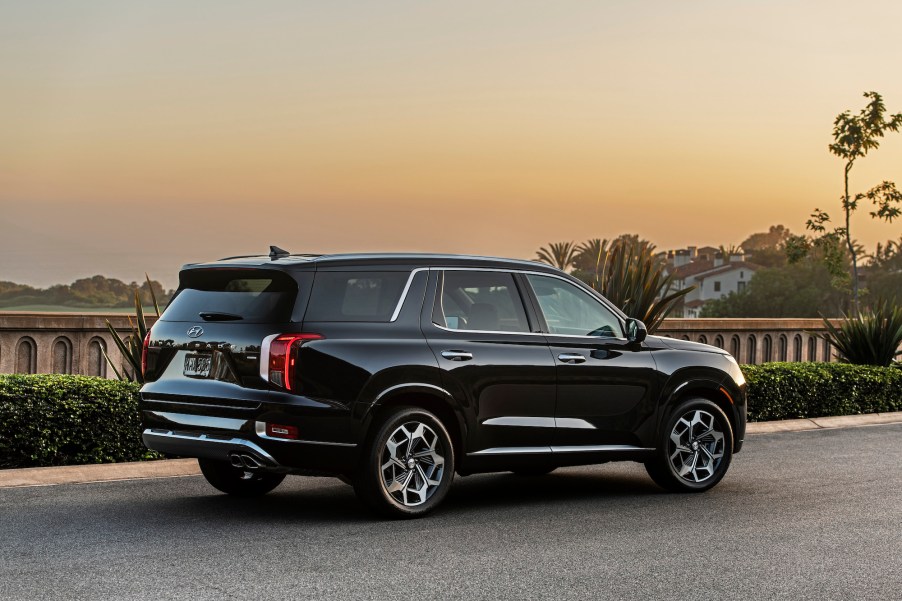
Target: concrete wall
[[67, 342]]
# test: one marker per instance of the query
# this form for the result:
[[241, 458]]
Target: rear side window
[[248, 296], [355, 296], [480, 301]]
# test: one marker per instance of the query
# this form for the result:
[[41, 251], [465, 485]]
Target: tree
[[558, 254], [767, 249], [774, 237], [801, 289], [853, 137], [884, 273]]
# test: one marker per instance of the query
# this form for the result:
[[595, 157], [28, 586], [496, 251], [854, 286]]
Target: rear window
[[249, 296], [355, 296]]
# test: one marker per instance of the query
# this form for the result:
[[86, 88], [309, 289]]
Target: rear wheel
[[238, 481], [695, 448], [409, 465]]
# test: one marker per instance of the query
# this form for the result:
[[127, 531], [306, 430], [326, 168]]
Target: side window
[[571, 311], [369, 296], [480, 300]]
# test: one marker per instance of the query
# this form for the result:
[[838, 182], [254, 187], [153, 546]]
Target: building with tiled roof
[[712, 275]]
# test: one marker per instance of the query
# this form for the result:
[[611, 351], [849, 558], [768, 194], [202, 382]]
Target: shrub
[[797, 390], [66, 420], [871, 338]]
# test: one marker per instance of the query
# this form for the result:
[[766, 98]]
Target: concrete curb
[[824, 423], [101, 472], [173, 468]]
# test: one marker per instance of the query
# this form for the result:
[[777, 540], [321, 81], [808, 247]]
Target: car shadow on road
[[328, 500]]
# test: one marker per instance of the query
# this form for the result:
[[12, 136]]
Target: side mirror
[[635, 330]]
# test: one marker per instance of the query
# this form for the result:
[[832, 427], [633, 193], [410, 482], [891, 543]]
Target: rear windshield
[[355, 296], [248, 296]]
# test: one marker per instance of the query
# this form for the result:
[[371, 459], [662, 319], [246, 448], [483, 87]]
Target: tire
[[236, 481], [532, 472], [695, 448], [408, 466]]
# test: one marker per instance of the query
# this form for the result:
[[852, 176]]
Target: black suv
[[396, 371]]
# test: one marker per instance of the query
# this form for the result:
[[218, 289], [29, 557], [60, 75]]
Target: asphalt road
[[804, 515]]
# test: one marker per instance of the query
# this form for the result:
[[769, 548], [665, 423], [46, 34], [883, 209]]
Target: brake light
[[279, 357], [144, 353]]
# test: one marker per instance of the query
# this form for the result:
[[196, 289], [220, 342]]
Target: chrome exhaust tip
[[251, 462]]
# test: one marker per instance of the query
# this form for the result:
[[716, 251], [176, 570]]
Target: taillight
[[144, 353], [279, 357]]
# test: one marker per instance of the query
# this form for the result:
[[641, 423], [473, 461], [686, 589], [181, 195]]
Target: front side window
[[480, 300], [571, 311]]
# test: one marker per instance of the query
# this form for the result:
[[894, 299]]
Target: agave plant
[[558, 254], [870, 338], [633, 278], [131, 346]]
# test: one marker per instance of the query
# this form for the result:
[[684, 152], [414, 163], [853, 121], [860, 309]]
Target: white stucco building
[[713, 278]]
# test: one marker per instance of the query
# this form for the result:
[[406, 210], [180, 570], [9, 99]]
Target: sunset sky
[[137, 136]]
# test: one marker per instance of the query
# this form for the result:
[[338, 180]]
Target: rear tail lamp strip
[[279, 357]]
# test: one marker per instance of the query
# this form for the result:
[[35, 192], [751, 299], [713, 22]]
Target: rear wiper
[[213, 316]]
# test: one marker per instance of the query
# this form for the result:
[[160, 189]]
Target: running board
[[603, 448]]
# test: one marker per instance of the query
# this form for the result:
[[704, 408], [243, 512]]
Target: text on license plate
[[198, 365]]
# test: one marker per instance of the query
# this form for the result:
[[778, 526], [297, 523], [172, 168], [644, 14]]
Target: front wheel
[[409, 465], [237, 481], [695, 448]]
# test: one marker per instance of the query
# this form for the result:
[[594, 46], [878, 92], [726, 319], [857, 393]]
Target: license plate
[[198, 366]]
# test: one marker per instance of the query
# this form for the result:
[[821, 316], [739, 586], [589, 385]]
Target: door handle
[[572, 358], [457, 355]]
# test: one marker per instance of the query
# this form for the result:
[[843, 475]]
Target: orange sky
[[138, 136]]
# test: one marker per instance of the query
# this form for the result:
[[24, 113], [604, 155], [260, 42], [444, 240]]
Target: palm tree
[[558, 254], [590, 255]]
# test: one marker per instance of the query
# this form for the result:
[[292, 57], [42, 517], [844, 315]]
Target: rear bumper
[[208, 446]]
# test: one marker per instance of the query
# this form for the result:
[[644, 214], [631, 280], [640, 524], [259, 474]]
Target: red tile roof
[[729, 267], [704, 267]]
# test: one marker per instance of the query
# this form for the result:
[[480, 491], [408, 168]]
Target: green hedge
[[67, 420], [795, 390]]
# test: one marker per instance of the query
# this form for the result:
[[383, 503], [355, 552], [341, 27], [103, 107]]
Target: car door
[[605, 384], [492, 361]]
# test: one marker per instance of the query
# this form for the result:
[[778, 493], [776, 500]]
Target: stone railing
[[756, 340], [72, 342], [62, 343]]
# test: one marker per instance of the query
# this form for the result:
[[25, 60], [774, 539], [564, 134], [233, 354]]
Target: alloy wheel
[[696, 446], [412, 464]]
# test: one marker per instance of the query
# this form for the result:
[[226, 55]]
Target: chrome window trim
[[397, 312], [592, 293]]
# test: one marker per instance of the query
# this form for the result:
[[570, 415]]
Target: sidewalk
[[172, 468]]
